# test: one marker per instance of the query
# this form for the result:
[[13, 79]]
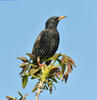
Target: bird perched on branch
[[47, 41]]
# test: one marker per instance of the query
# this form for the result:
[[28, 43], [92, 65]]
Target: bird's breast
[[54, 35], [54, 39]]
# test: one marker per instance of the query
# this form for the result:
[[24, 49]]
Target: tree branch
[[39, 90]]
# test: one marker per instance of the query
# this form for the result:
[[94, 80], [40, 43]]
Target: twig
[[39, 90]]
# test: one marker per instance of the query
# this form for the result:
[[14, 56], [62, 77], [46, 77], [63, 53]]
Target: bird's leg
[[48, 62], [38, 61]]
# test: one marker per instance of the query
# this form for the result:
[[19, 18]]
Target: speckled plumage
[[47, 41]]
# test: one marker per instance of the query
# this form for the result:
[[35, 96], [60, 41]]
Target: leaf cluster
[[21, 97], [59, 69]]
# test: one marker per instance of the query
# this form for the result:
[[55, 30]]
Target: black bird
[[47, 41]]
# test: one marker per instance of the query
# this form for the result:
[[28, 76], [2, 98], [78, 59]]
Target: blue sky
[[21, 22]]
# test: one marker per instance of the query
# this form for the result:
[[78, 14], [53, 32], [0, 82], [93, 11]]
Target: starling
[[47, 41]]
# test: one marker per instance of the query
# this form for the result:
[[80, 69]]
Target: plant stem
[[39, 90]]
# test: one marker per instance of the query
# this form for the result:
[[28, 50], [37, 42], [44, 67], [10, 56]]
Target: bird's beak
[[62, 17]]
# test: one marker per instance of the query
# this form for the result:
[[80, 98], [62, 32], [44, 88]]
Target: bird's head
[[53, 22]]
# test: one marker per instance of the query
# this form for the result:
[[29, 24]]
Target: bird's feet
[[41, 65], [48, 62], [38, 61]]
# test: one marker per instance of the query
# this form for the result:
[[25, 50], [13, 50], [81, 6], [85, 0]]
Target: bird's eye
[[56, 18]]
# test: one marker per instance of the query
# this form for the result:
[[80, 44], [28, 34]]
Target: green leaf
[[63, 60], [62, 70], [35, 88], [22, 65], [59, 61], [54, 86], [54, 57], [33, 66], [33, 77], [24, 81], [54, 80], [70, 60], [50, 87], [24, 69], [65, 77], [23, 59], [45, 87], [10, 98], [31, 56], [20, 93], [34, 71]]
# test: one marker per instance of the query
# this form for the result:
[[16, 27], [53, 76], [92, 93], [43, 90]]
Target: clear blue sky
[[21, 22]]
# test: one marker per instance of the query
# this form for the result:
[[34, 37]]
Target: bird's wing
[[37, 42], [41, 38]]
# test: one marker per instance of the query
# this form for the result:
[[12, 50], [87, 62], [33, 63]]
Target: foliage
[[21, 98], [58, 69]]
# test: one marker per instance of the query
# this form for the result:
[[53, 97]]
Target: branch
[[46, 74], [39, 90]]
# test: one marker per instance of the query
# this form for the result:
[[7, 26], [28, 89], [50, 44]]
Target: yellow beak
[[62, 17]]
